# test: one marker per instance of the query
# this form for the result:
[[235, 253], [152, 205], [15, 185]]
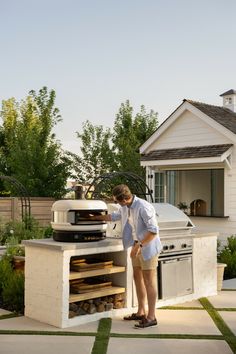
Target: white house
[[191, 158]]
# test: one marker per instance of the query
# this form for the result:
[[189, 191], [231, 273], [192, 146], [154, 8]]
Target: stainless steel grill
[[175, 276]]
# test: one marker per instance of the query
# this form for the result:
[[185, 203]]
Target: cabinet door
[[184, 276], [168, 278]]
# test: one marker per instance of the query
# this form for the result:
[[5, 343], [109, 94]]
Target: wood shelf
[[98, 293], [94, 273]]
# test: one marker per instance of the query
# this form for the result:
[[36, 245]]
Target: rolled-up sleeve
[[149, 218], [116, 215]]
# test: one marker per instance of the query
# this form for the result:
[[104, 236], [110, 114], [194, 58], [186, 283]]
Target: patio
[[205, 325]]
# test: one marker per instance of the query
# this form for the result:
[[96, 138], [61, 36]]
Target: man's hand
[[135, 251]]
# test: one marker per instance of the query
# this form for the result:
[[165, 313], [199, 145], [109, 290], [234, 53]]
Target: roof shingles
[[221, 115], [187, 152]]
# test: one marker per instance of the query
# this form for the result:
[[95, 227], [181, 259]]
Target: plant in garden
[[23, 231], [5, 271], [13, 292], [13, 248], [11, 286], [227, 255]]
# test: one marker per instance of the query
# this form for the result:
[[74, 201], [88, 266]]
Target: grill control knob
[[172, 247], [165, 248], [184, 245]]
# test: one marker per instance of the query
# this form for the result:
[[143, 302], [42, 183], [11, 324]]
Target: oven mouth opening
[[81, 217]]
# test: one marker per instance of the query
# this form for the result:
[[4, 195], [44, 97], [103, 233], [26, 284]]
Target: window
[[202, 191], [159, 187], [228, 100], [171, 178]]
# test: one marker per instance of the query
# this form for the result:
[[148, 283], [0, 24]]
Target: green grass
[[220, 323], [102, 338], [9, 315]]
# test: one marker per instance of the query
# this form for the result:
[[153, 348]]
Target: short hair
[[121, 192]]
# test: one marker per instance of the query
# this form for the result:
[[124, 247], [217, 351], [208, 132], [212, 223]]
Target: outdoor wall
[[10, 209], [188, 130], [195, 185]]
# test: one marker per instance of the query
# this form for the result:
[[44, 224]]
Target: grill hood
[[172, 220]]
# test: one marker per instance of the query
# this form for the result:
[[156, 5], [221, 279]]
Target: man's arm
[[106, 217]]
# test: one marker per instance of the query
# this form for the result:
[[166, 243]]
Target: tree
[[96, 153], [129, 133], [104, 150], [30, 151]]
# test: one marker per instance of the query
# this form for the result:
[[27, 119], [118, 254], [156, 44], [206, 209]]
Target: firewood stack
[[105, 303]]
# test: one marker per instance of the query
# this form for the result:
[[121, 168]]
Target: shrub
[[13, 292], [13, 248], [23, 230], [5, 271], [11, 287], [228, 255]]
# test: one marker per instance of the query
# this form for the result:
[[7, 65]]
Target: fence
[[10, 209]]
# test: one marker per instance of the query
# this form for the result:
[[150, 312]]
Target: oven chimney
[[79, 192], [229, 99]]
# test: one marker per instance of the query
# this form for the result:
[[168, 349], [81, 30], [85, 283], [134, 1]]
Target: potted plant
[[15, 252], [183, 206]]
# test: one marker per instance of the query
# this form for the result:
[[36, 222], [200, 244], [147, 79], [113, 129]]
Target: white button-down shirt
[[144, 219]]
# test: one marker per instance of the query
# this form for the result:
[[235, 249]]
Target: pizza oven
[[70, 221]]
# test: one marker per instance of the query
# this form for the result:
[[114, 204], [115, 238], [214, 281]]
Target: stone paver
[[33, 344], [177, 321], [4, 312], [25, 323], [194, 303], [172, 322], [229, 284], [224, 299], [230, 319], [170, 346]]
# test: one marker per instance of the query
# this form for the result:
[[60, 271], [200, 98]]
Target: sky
[[96, 54]]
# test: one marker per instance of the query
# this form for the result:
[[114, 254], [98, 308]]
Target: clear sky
[[96, 54]]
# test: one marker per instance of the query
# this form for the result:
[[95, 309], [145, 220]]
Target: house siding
[[188, 130]]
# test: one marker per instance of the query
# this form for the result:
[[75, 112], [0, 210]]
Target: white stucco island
[[48, 275]]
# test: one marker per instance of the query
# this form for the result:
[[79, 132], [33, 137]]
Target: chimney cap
[[229, 92]]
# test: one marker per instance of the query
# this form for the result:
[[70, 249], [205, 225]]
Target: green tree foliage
[[129, 133], [97, 155], [104, 150], [30, 152]]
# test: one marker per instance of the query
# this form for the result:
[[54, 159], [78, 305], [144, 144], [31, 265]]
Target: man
[[140, 232]]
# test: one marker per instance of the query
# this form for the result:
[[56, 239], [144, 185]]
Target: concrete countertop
[[66, 246], [108, 241]]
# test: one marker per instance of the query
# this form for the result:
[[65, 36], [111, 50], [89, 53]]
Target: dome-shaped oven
[[70, 220]]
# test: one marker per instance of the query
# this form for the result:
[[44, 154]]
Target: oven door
[[175, 276]]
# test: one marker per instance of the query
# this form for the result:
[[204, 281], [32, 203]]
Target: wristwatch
[[139, 243]]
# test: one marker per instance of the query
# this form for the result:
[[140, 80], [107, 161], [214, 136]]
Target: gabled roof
[[221, 115], [186, 152], [223, 119], [229, 92]]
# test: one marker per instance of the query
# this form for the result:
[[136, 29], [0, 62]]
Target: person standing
[[140, 232]]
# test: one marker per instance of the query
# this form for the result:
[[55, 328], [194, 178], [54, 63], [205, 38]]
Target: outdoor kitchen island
[[48, 275]]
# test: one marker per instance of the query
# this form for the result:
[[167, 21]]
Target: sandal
[[144, 323], [134, 317]]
